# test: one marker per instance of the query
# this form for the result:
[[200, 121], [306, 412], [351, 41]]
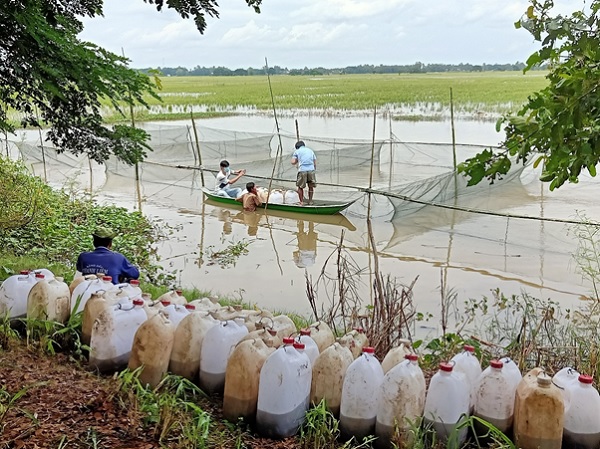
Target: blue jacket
[[111, 263]]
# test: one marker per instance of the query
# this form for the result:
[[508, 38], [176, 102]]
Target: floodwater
[[472, 254]]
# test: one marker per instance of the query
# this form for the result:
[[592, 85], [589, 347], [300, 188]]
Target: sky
[[319, 33]]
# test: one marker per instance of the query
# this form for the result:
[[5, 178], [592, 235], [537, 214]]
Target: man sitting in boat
[[250, 199], [223, 183]]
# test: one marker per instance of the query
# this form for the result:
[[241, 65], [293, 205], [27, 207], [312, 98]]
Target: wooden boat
[[320, 207]]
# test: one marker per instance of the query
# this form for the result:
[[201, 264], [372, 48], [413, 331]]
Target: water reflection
[[306, 254]]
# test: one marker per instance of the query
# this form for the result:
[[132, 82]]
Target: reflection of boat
[[320, 207]]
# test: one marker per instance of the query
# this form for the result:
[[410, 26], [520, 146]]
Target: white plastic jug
[[283, 391], [322, 334], [89, 286], [187, 344], [151, 350], [49, 300], [311, 348], [206, 304], [291, 197], [283, 325], [112, 335], [47, 273], [446, 402], [217, 345], [242, 377], [582, 417], [396, 355], [173, 296], [13, 294], [269, 336], [328, 375], [466, 362], [511, 369], [495, 398], [360, 396], [401, 400], [175, 313], [565, 378]]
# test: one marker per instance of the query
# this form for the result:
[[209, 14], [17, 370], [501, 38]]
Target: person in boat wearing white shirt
[[223, 183]]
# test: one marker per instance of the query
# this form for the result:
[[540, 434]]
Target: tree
[[50, 77], [559, 126]]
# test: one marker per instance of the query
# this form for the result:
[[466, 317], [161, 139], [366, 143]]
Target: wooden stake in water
[[454, 164], [297, 130], [280, 147], [197, 148]]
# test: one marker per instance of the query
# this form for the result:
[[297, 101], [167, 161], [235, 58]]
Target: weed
[[320, 429], [7, 332], [8, 402], [228, 256]]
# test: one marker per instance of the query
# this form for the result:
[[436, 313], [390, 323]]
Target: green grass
[[472, 92]]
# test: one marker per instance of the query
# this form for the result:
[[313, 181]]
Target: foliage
[[8, 402], [51, 78], [57, 226], [320, 429], [562, 121], [227, 257]]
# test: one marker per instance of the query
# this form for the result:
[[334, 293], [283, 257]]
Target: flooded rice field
[[472, 254]]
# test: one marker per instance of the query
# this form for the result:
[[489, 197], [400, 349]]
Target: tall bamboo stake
[[280, 147], [37, 113], [137, 165], [197, 148], [454, 164]]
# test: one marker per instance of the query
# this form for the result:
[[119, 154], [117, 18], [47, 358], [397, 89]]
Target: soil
[[64, 405]]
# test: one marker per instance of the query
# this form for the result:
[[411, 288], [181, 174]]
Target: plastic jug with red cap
[[447, 403], [401, 401], [582, 415], [311, 348], [13, 294], [283, 391], [112, 336], [360, 396], [49, 299], [495, 398]]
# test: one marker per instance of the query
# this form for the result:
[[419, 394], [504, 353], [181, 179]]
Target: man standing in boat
[[306, 161], [223, 183]]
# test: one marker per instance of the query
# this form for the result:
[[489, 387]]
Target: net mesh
[[406, 176]]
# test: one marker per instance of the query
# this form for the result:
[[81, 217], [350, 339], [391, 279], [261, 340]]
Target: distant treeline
[[417, 67]]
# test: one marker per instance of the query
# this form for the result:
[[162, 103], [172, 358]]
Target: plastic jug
[[151, 350], [89, 286], [495, 398], [269, 336], [446, 402], [283, 391], [13, 294], [466, 362], [360, 396], [78, 280], [328, 374], [112, 335], [310, 347], [355, 340], [322, 334], [396, 355], [217, 345], [401, 401], [563, 379], [173, 296], [242, 378], [283, 325], [47, 273], [206, 304], [49, 300], [175, 313], [511, 369], [539, 412], [582, 417], [254, 317], [291, 197], [187, 344], [96, 304]]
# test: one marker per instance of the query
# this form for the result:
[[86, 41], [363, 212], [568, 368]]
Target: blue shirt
[[111, 263], [306, 159]]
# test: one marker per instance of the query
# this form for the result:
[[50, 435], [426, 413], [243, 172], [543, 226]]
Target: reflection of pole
[[197, 148], [201, 252], [391, 152]]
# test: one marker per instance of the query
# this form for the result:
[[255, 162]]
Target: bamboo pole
[[297, 130], [280, 147], [137, 165], [197, 147], [454, 164], [37, 114]]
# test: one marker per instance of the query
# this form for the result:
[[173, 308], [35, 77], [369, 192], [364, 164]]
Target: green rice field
[[406, 96]]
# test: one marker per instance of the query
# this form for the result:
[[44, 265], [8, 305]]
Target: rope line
[[414, 200]]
